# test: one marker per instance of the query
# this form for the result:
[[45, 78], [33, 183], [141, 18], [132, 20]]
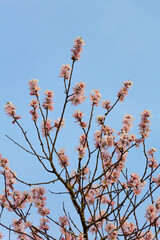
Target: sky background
[[122, 42]]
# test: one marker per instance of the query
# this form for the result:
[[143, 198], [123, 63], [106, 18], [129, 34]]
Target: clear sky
[[122, 42]]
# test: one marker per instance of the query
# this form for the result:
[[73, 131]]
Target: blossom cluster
[[14, 199], [77, 48], [76, 175], [127, 123], [135, 183], [33, 112], [46, 127], [152, 212], [92, 194], [11, 111], [152, 161], [100, 120], [144, 124], [38, 198], [106, 104], [48, 101], [65, 71], [57, 123], [111, 230], [95, 97], [106, 159], [147, 235], [78, 94], [106, 141], [123, 92], [33, 87], [128, 228], [63, 158], [64, 223], [99, 221], [157, 180], [125, 137], [78, 116]]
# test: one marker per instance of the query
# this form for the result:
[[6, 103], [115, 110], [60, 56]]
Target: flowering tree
[[105, 197]]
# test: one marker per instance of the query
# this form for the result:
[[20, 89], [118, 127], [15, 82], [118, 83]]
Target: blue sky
[[122, 42]]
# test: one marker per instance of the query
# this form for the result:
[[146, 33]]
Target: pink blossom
[[38, 198], [83, 124], [84, 172], [64, 221], [34, 103], [78, 115], [33, 112], [151, 213], [157, 180], [104, 199], [112, 232], [135, 183], [92, 194], [10, 179], [11, 112], [1, 236], [33, 87], [79, 88], [100, 120], [81, 151], [128, 228], [62, 158], [46, 127], [93, 229], [127, 123], [149, 236], [115, 176], [151, 151], [81, 237], [110, 177], [107, 130], [78, 94], [19, 198], [3, 161], [106, 104], [82, 140], [18, 225], [152, 161], [109, 227], [106, 159], [65, 71], [99, 221], [157, 203], [106, 142], [75, 176], [77, 48], [44, 211], [57, 122], [43, 224], [100, 218], [48, 101], [95, 97], [97, 138], [27, 225], [125, 137], [124, 90], [144, 124]]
